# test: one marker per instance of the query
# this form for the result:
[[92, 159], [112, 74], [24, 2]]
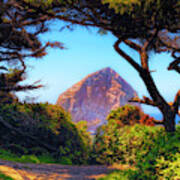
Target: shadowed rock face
[[93, 97]]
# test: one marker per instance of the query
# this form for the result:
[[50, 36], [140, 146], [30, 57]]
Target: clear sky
[[87, 52]]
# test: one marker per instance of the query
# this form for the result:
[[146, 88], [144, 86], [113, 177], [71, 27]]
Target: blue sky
[[87, 52]]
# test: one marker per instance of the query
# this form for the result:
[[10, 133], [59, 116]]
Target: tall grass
[[7, 155]]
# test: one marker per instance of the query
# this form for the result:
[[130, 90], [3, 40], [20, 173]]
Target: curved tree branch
[[175, 65], [158, 122], [145, 100], [133, 45], [149, 42], [176, 103], [126, 57]]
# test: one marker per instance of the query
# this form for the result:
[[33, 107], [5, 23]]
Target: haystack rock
[[92, 98]]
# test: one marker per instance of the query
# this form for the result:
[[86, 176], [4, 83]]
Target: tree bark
[[167, 110], [169, 120]]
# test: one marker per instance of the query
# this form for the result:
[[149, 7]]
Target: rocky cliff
[[93, 97]]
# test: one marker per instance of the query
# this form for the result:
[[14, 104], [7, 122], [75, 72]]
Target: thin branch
[[173, 54], [149, 42], [20, 88], [158, 122], [126, 57], [175, 65], [3, 68], [176, 103], [56, 15], [144, 49], [37, 53], [133, 45], [145, 100]]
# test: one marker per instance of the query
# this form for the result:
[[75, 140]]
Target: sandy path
[[20, 171]]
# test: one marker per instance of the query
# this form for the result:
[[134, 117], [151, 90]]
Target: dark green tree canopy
[[143, 25], [136, 19], [20, 28]]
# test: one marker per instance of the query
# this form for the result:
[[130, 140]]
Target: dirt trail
[[20, 171]]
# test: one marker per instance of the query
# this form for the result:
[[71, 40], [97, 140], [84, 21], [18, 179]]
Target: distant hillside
[[93, 97]]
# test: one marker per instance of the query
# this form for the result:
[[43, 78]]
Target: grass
[[4, 177], [123, 172], [7, 155], [119, 175], [42, 159]]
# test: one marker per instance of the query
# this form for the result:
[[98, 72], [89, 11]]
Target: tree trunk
[[169, 120], [167, 111]]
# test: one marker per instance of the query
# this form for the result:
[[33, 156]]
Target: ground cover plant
[[27, 158], [35, 130]]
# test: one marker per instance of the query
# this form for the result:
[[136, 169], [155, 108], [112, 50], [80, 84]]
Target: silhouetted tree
[[20, 27]]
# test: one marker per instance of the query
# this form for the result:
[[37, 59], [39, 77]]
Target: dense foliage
[[44, 133], [19, 39], [153, 152], [129, 115], [43, 128], [31, 130]]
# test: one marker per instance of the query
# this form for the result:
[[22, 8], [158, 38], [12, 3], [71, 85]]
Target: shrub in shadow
[[42, 128]]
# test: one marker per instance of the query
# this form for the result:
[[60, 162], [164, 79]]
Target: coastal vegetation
[[45, 133], [153, 153], [41, 129]]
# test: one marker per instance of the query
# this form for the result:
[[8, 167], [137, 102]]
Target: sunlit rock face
[[93, 97]]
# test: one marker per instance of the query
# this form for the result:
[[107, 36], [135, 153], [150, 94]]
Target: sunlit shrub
[[129, 115], [169, 169], [152, 151], [116, 142], [121, 145]]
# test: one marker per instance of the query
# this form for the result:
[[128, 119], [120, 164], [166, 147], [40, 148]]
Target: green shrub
[[153, 152], [7, 155], [114, 142], [43, 124], [162, 146], [125, 175], [129, 115], [169, 169], [118, 175], [65, 161], [29, 159], [121, 145]]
